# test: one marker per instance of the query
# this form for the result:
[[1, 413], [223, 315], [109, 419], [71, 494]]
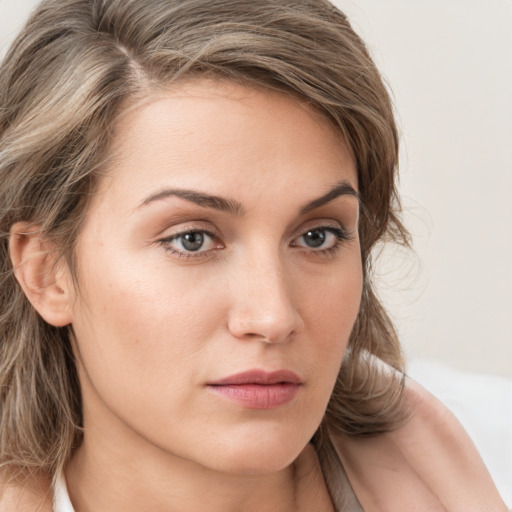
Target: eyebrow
[[343, 188], [199, 198]]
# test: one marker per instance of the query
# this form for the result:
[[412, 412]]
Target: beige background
[[449, 63]]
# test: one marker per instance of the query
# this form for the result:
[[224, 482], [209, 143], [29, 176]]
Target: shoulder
[[429, 464], [30, 494]]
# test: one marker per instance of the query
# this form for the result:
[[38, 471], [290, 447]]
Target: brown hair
[[62, 85]]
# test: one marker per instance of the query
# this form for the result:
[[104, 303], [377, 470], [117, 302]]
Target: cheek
[[139, 301], [141, 330], [332, 307], [329, 313]]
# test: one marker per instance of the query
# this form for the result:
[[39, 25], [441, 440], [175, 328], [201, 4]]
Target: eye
[[321, 238], [192, 241]]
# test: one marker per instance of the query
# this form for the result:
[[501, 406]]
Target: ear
[[46, 283]]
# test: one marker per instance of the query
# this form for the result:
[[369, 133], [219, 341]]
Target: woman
[[191, 192]]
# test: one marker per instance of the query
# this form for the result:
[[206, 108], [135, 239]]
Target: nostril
[[260, 337], [263, 330]]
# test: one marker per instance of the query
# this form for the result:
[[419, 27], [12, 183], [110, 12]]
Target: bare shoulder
[[429, 464], [434, 441], [27, 494]]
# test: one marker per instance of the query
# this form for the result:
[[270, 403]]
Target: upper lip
[[259, 377]]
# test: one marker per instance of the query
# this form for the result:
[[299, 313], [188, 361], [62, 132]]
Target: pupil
[[192, 241], [314, 238]]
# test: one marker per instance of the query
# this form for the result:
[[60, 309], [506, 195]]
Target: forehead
[[224, 136]]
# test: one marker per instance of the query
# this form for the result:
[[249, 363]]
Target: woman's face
[[223, 240]]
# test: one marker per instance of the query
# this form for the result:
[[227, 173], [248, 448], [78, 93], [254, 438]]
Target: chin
[[259, 452], [256, 464]]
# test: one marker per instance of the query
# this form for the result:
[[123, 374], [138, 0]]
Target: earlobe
[[46, 284]]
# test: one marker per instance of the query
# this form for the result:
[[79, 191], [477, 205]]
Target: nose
[[262, 302]]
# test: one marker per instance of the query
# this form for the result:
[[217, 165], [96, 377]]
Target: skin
[[25, 494], [153, 327], [394, 472], [155, 322], [429, 464]]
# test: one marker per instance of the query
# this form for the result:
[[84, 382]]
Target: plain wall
[[449, 63]]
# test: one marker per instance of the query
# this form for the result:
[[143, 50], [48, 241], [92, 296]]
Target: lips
[[259, 377], [257, 389]]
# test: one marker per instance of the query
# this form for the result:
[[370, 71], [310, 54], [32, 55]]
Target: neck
[[99, 482]]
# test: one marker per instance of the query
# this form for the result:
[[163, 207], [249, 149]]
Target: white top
[[61, 501]]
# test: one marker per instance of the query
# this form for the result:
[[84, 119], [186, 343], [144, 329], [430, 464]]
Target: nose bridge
[[262, 298]]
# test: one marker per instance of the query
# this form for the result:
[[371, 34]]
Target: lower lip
[[257, 396]]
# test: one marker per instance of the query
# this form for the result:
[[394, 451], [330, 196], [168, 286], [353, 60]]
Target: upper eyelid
[[319, 224], [189, 227], [212, 230], [177, 234]]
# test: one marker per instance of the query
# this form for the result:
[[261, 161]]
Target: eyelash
[[340, 234], [165, 242]]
